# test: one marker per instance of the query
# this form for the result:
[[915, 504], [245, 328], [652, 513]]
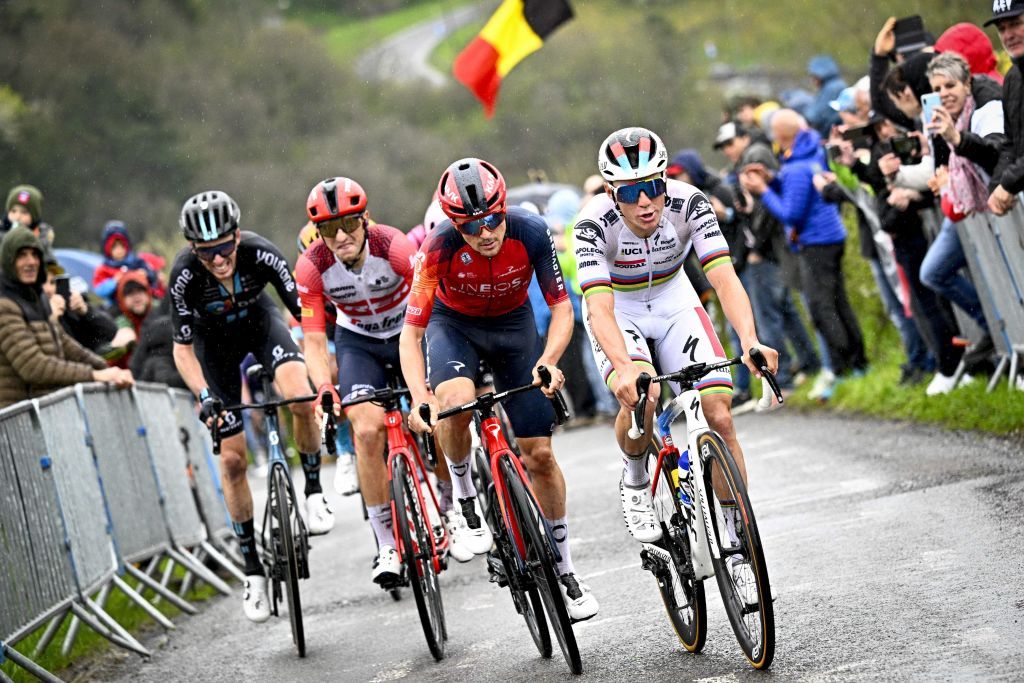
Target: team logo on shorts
[[457, 365], [277, 353]]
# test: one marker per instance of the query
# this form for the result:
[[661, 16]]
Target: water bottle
[[683, 481]]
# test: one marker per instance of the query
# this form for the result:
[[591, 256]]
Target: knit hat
[[28, 196]]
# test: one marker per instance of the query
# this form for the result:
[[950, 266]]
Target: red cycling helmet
[[471, 188], [335, 197]]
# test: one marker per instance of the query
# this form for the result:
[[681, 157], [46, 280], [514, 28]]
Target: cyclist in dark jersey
[[221, 314], [469, 300]]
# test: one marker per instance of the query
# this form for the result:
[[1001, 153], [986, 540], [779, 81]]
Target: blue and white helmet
[[631, 154], [208, 216]]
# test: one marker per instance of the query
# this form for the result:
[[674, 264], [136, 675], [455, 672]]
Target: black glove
[[210, 408]]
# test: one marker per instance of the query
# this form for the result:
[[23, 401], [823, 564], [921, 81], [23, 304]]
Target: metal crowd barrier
[[92, 481], [994, 247]]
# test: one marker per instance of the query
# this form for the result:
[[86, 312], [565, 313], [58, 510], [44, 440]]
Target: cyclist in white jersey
[[630, 245]]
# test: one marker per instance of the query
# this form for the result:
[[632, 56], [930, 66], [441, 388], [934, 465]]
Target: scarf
[[967, 190]]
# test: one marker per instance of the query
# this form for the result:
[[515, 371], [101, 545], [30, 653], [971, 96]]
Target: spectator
[[88, 325], [768, 261], [896, 94], [829, 83], [153, 358], [24, 207], [1010, 24], [36, 355], [818, 233], [854, 103], [134, 302], [119, 258], [971, 43]]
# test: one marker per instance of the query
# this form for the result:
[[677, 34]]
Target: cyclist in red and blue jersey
[[469, 301]]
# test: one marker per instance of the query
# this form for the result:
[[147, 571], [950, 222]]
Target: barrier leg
[[189, 578], [25, 663], [223, 561], [165, 578], [146, 606], [187, 559], [994, 380], [154, 562], [167, 593], [51, 631], [72, 634], [116, 634], [1014, 356]]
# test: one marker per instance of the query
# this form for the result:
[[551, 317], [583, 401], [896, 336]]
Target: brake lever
[[643, 386], [328, 426], [768, 381], [557, 401], [428, 439]]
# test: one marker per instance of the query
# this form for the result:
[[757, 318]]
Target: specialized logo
[[691, 347]]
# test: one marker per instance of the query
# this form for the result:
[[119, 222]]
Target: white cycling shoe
[[319, 518], [255, 602], [580, 603], [638, 511], [346, 479], [468, 533], [743, 577], [387, 569]]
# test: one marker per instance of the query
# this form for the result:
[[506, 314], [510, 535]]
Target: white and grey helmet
[[631, 154], [208, 216]]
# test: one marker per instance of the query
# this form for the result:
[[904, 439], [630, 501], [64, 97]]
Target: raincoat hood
[[823, 67], [971, 43], [17, 239], [115, 231]]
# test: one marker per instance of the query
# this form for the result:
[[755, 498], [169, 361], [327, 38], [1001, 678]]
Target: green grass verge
[[346, 36], [89, 644]]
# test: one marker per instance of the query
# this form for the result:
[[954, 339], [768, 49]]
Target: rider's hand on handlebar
[[770, 355], [416, 422], [327, 389], [211, 408], [557, 380], [625, 390]]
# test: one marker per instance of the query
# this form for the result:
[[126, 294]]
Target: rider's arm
[[425, 279], [601, 311], [314, 325], [559, 333], [735, 303], [410, 349], [544, 257], [189, 368], [183, 322]]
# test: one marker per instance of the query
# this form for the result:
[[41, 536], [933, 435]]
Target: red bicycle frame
[[497, 446]]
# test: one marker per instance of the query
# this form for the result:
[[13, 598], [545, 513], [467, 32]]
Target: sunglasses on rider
[[348, 224], [475, 227], [630, 194], [210, 253]]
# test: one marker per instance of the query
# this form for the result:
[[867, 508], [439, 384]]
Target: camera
[[859, 135], [907, 148], [834, 152]]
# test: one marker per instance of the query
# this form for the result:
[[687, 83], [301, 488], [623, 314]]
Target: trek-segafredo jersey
[[645, 273], [370, 302]]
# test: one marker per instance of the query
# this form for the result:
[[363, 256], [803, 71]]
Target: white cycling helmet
[[631, 154], [434, 216]]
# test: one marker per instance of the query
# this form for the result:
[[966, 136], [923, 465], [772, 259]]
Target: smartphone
[[930, 101], [63, 284]]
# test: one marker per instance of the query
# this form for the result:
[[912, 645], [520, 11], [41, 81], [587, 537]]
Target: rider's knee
[[719, 417], [302, 411], [233, 463], [367, 431], [540, 460]]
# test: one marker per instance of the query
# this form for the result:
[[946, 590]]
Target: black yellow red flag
[[515, 30]]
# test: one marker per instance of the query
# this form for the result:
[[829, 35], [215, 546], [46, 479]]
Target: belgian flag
[[515, 30]]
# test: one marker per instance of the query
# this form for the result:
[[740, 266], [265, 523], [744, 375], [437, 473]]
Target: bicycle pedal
[[654, 559], [496, 571]]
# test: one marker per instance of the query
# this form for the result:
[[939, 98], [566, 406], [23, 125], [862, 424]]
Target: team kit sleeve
[[277, 273], [402, 257], [544, 256], [311, 296], [589, 244], [705, 233], [427, 273], [181, 281]]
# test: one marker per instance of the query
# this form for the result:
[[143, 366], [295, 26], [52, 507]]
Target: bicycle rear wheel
[[540, 562], [291, 542], [683, 595], [417, 556], [741, 570]]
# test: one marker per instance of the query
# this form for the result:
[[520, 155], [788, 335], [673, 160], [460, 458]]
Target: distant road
[[405, 56]]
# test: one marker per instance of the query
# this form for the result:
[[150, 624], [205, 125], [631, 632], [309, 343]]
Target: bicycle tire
[[417, 557], [682, 595], [540, 561], [758, 644], [283, 512]]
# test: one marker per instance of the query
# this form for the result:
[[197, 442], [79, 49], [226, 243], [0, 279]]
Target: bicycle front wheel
[[540, 561], [741, 570], [681, 593], [286, 556], [414, 532]]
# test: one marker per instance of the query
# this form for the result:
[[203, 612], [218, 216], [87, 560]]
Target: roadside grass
[[346, 36], [89, 645]]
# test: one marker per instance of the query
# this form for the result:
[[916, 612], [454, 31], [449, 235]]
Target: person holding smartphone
[[1009, 22]]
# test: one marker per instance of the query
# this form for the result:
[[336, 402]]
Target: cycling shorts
[[681, 338], [221, 353], [456, 344], [364, 363]]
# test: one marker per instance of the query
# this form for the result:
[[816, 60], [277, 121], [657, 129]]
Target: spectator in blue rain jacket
[[819, 113]]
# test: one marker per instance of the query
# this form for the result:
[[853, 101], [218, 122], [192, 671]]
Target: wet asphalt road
[[894, 553]]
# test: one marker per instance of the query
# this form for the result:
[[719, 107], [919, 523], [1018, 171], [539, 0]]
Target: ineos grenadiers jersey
[[370, 302], [200, 301], [471, 284], [645, 274]]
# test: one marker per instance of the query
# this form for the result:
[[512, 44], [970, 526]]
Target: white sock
[[380, 522], [462, 478], [634, 471], [731, 514], [560, 534]]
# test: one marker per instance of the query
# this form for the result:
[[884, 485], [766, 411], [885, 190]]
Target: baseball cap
[[1004, 9], [845, 101], [726, 132]]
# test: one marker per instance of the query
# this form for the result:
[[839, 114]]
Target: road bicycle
[[419, 533], [525, 557], [480, 463], [284, 537], [696, 542]]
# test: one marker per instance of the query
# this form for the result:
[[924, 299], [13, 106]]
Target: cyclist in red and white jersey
[[469, 301], [365, 271], [630, 244]]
